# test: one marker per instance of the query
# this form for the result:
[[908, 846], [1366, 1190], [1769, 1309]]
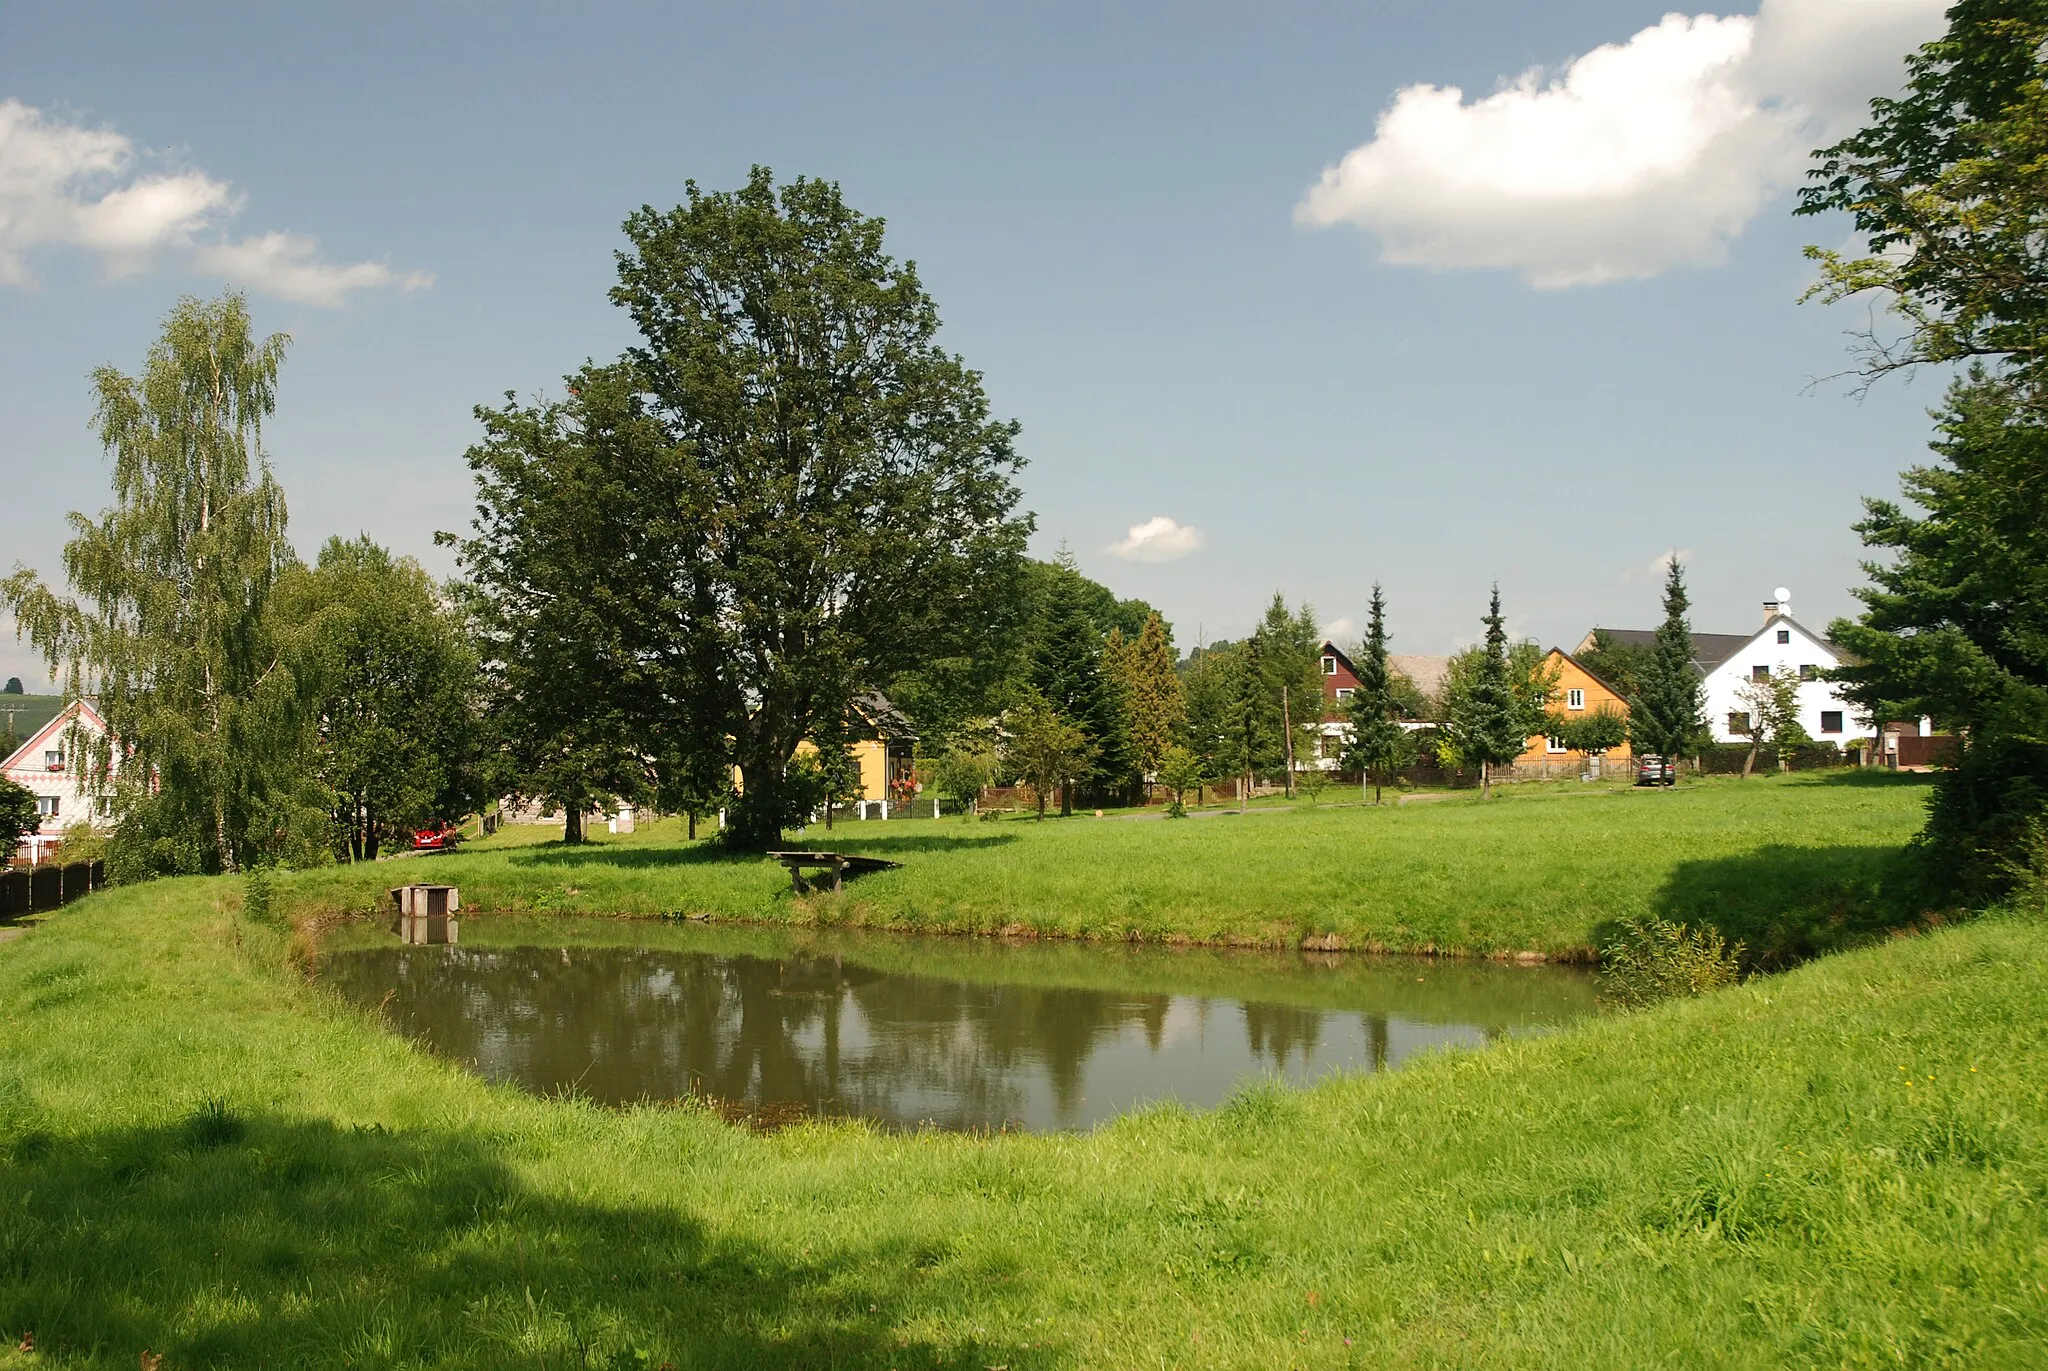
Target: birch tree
[[166, 628]]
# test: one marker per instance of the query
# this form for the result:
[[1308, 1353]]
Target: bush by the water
[[1651, 959]]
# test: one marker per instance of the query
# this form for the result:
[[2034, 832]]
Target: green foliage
[[18, 816], [1590, 731], [1290, 674], [571, 715], [259, 897], [1955, 626], [1773, 715], [1311, 781], [836, 506], [171, 634], [1180, 771], [1495, 698], [1667, 714], [1649, 960], [1045, 751], [1069, 673], [1155, 710], [963, 770], [1377, 747], [395, 672], [13, 686], [1945, 187]]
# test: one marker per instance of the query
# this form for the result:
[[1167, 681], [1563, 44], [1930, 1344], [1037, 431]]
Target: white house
[[1783, 644], [46, 765]]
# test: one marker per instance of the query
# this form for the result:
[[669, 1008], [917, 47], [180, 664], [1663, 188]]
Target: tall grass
[[204, 1158]]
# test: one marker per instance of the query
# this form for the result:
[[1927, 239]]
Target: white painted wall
[[29, 767], [1799, 648]]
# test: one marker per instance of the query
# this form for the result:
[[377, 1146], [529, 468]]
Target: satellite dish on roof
[[1782, 594]]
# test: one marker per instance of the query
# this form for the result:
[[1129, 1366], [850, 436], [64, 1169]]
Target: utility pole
[[1287, 733]]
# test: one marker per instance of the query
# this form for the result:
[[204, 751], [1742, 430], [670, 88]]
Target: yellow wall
[[1572, 676], [873, 759]]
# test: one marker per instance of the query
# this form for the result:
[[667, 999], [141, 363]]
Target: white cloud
[[64, 185], [288, 266], [1341, 631], [1633, 159], [1159, 540], [1654, 569]]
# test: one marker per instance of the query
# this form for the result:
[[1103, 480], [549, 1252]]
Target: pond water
[[946, 1032]]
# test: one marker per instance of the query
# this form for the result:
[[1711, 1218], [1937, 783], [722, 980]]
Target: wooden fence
[[47, 887]]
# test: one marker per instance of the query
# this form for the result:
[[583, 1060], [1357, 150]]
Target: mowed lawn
[[206, 1159], [1789, 865]]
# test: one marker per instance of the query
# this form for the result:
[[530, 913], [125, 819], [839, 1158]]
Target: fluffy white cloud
[[288, 266], [1341, 631], [1634, 158], [1159, 540], [1654, 569], [64, 185]]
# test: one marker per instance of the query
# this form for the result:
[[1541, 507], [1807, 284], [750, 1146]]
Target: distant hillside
[[24, 714]]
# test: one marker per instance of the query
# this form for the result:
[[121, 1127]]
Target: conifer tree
[[1067, 672], [1667, 716], [1487, 719], [1379, 747], [1155, 711], [1290, 671]]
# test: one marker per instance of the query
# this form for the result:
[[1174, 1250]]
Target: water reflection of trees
[[624, 1024]]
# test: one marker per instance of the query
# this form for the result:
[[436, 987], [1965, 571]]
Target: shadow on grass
[[280, 1242], [1786, 904]]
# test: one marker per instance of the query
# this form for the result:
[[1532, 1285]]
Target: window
[[1343, 692], [46, 806], [1808, 672], [1738, 722], [1759, 673], [1575, 699], [1553, 745], [53, 760], [1831, 721], [1329, 666], [1784, 635]]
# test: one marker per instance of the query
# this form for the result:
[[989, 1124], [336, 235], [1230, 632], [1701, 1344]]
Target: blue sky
[[1537, 333]]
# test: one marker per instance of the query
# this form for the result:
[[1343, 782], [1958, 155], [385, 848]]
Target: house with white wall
[[1783, 644], [49, 767]]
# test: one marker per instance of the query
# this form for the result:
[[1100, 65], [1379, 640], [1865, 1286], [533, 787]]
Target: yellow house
[[1579, 692], [884, 751]]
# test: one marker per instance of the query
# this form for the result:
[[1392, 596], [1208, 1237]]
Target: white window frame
[[1554, 746], [1329, 666], [1575, 699], [48, 806], [1345, 692], [53, 759]]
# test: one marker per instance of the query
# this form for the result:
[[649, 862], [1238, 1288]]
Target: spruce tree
[[1067, 672], [1486, 717], [1379, 746], [1155, 711], [1667, 715]]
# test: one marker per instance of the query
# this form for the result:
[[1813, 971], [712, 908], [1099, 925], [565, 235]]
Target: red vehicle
[[440, 839]]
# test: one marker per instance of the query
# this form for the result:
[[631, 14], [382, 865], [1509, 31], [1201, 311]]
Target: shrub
[[256, 894], [1651, 959]]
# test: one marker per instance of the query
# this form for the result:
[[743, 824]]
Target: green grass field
[[204, 1158], [1788, 865]]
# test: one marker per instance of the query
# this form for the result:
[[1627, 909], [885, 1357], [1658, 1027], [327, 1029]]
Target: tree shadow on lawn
[[274, 1241], [710, 854], [1786, 903]]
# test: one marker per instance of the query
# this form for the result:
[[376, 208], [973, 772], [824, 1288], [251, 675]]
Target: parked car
[[441, 838], [1654, 770]]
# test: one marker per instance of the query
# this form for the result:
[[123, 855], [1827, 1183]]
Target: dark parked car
[[1655, 770]]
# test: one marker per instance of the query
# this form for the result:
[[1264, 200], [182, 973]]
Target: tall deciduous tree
[[1773, 713], [850, 502], [564, 499], [170, 633], [1378, 746], [1486, 717], [1667, 715], [1043, 749], [394, 674], [1945, 187], [19, 816]]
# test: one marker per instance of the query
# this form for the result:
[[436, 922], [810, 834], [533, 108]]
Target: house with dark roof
[[1782, 645]]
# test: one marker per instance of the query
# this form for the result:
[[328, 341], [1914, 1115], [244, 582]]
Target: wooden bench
[[839, 865]]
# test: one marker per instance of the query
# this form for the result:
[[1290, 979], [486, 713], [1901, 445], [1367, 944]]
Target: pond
[[911, 1031]]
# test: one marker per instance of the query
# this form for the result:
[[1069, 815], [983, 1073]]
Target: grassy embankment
[[205, 1158], [1790, 866]]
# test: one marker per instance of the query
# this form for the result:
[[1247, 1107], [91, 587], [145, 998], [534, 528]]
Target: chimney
[[1771, 610], [1779, 603]]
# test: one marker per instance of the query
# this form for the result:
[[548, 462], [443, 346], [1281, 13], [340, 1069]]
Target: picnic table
[[838, 865]]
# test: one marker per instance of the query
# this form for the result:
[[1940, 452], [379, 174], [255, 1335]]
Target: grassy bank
[[1788, 865], [204, 1158]]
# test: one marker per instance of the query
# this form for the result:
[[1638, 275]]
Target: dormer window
[[1329, 666], [53, 760]]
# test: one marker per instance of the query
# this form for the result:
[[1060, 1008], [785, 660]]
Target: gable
[[1804, 648], [29, 756]]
